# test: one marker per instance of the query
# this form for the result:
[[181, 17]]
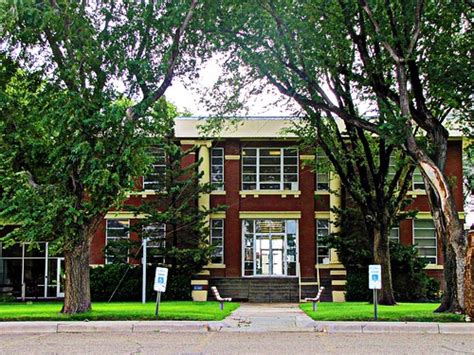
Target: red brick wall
[[306, 203]]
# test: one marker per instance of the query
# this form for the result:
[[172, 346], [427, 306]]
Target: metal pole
[[158, 297], [375, 304], [144, 262]]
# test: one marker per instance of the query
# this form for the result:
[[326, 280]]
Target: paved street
[[235, 343]]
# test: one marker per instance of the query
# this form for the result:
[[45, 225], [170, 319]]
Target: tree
[[376, 176], [73, 140], [184, 247], [373, 171], [410, 282], [395, 61]]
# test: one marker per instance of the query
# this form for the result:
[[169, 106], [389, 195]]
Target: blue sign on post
[[375, 283], [375, 277], [161, 276]]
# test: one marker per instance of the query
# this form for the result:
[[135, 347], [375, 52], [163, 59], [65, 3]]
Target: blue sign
[[161, 277], [375, 277]]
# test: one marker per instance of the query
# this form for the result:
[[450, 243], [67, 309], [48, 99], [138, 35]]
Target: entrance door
[[269, 254], [278, 259], [269, 247]]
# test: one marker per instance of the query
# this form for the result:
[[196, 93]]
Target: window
[[418, 182], [217, 168], [392, 168], [269, 169], [154, 179], [116, 230], [424, 238], [394, 235], [217, 240], [322, 178], [156, 242], [322, 251]]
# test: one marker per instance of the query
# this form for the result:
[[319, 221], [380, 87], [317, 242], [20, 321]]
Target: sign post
[[375, 283], [144, 263], [161, 278]]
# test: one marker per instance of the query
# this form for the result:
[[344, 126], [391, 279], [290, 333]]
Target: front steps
[[258, 289]]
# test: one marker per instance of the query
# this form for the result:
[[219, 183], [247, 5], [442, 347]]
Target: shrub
[[409, 279], [105, 279]]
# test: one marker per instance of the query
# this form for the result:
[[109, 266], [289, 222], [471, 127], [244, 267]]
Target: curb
[[221, 326], [110, 327], [394, 327]]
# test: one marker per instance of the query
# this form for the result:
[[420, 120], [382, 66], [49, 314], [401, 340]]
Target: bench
[[218, 297], [316, 299]]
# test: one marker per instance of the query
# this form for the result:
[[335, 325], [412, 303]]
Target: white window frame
[[320, 156], [219, 185], [423, 247], [160, 154], [328, 255], [221, 238], [282, 173], [157, 241], [393, 239], [107, 238], [417, 186]]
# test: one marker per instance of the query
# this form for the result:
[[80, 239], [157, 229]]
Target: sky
[[187, 96]]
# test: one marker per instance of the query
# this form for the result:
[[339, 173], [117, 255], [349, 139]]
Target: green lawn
[[361, 311], [180, 310]]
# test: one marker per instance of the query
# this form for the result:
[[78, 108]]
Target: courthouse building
[[267, 240]]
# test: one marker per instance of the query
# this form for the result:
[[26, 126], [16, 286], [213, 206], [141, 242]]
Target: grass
[[179, 310], [362, 311]]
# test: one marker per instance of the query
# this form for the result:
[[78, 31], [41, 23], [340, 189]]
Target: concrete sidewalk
[[249, 317]]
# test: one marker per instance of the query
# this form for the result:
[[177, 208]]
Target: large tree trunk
[[77, 291], [382, 257], [450, 302], [448, 228], [77, 295]]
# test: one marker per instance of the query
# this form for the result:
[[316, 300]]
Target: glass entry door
[[269, 247], [269, 254]]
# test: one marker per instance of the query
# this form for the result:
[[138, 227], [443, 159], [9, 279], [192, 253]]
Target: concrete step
[[258, 289]]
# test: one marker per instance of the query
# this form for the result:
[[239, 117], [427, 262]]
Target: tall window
[[322, 178], [424, 236], [154, 179], [269, 169], [156, 242], [322, 250], [217, 240], [116, 230], [217, 168], [418, 182], [394, 235]]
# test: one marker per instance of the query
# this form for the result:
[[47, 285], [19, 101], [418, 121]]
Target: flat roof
[[250, 127]]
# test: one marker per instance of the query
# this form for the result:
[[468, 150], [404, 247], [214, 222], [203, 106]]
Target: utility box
[[199, 290]]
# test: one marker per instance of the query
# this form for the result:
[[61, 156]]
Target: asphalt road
[[274, 343]]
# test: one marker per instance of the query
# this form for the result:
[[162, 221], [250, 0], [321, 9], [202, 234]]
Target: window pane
[[425, 239], [265, 174], [217, 240], [154, 179], [249, 152]]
